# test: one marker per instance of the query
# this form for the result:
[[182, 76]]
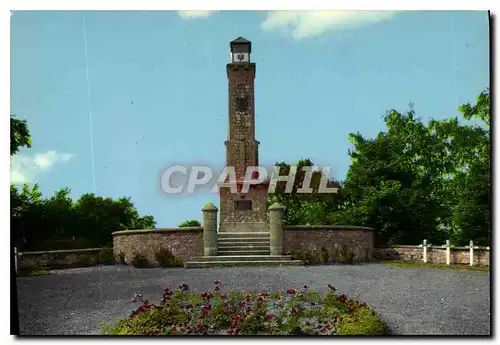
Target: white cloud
[[194, 14], [301, 24], [26, 168]]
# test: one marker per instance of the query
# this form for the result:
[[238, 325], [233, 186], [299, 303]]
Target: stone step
[[210, 264], [243, 258], [243, 240], [243, 235], [243, 248], [243, 252], [244, 243]]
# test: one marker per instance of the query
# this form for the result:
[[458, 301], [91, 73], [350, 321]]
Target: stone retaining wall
[[188, 242], [58, 258], [185, 242], [338, 240], [435, 255]]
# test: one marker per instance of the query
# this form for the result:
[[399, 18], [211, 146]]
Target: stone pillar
[[276, 228], [209, 229]]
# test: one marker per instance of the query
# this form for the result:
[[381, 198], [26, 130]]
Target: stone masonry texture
[[188, 242], [242, 152], [234, 220], [336, 240], [458, 255], [184, 242]]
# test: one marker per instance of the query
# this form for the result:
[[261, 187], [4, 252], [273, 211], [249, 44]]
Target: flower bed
[[293, 312]]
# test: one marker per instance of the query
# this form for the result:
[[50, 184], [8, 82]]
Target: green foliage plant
[[214, 312]]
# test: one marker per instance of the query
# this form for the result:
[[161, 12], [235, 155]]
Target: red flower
[[216, 282], [305, 286], [293, 311], [217, 288], [230, 332], [291, 291], [341, 299], [269, 317], [265, 294], [174, 329]]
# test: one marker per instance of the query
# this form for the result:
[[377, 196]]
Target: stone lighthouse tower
[[242, 212]]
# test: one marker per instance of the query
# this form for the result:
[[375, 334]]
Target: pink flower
[[293, 311], [305, 286], [217, 282]]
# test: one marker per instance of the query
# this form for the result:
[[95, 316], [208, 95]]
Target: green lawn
[[33, 272], [404, 264]]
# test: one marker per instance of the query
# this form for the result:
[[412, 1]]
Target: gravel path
[[416, 301]]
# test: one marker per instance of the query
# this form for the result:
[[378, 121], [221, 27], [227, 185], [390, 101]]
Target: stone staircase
[[242, 249]]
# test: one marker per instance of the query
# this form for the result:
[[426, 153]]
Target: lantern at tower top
[[240, 50]]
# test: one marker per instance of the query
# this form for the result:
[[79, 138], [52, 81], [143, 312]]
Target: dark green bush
[[84, 260], [308, 257], [366, 255], [346, 256], [189, 223], [165, 258], [324, 255], [362, 321], [140, 261], [121, 258], [106, 256]]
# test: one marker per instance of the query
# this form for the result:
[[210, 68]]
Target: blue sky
[[158, 90]]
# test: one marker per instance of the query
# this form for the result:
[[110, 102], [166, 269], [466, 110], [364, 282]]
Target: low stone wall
[[54, 259], [436, 255], [188, 242], [338, 240], [185, 242]]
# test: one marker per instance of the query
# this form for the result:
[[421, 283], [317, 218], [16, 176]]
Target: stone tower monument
[[242, 212]]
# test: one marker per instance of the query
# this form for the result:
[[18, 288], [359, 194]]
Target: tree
[[418, 180], [19, 135], [38, 222], [305, 208], [189, 223]]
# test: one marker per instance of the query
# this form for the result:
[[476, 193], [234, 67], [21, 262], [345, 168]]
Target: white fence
[[448, 248]]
